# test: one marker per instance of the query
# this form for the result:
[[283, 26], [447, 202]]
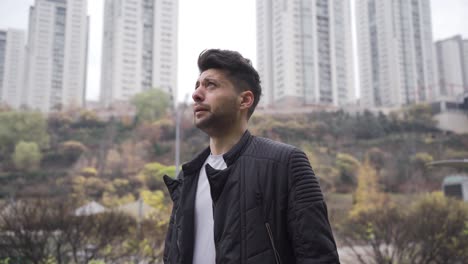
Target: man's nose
[[198, 95]]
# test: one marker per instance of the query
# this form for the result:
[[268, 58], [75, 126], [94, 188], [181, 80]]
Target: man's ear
[[247, 99]]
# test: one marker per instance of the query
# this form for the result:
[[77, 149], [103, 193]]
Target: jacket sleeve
[[308, 225]]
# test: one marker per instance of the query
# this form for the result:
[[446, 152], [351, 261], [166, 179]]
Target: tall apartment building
[[57, 54], [304, 52], [12, 45], [465, 59], [395, 50], [452, 65], [139, 49]]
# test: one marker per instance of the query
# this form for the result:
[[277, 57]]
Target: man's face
[[216, 100]]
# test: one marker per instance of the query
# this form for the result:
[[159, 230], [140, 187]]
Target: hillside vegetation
[[76, 155]]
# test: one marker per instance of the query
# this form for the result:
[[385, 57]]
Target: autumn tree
[[149, 245], [368, 195], [153, 175]]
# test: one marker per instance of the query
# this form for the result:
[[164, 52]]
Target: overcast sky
[[225, 24]]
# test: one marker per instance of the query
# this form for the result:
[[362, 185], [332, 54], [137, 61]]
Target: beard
[[215, 122]]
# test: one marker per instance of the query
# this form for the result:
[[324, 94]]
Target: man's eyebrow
[[211, 79]]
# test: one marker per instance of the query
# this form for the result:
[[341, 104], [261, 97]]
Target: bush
[[21, 126], [433, 230], [439, 226], [153, 174], [348, 167], [89, 172], [45, 231], [27, 156], [72, 150]]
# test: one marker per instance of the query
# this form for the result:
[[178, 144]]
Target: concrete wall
[[456, 121]]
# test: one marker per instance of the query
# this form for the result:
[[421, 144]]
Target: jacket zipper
[[270, 234], [175, 221], [268, 229]]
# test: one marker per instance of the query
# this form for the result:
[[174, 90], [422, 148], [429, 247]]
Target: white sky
[[203, 24]]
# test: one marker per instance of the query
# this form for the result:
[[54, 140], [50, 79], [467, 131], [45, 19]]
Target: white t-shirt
[[204, 248]]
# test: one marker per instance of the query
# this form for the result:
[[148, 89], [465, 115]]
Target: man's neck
[[222, 144]]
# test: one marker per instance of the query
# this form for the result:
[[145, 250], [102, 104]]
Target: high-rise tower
[[304, 52], [12, 44], [395, 51], [452, 65], [139, 48], [57, 54]]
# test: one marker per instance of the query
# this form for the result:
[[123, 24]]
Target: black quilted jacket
[[267, 207]]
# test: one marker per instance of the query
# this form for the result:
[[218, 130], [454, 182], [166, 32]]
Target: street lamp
[[179, 113]]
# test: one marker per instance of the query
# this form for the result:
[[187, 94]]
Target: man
[[244, 199]]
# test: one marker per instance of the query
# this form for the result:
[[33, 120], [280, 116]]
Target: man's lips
[[199, 108]]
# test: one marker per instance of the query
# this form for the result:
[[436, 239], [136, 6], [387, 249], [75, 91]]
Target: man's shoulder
[[265, 148], [269, 143]]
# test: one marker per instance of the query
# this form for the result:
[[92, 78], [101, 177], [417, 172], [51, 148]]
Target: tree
[[367, 196], [153, 174], [377, 159], [439, 230], [27, 156], [25, 231], [151, 105], [419, 117], [47, 231], [420, 175], [100, 236], [368, 126], [21, 126], [420, 160], [87, 119], [348, 167], [320, 129], [149, 244], [112, 200], [154, 229], [154, 199], [72, 150], [434, 229], [373, 235], [58, 124]]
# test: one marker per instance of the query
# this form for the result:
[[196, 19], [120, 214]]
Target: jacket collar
[[229, 157]]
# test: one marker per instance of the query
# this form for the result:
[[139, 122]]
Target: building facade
[[57, 54], [12, 45], [304, 52], [452, 67], [139, 49], [395, 51], [465, 59]]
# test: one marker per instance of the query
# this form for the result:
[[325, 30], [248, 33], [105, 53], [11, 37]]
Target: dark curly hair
[[240, 71]]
